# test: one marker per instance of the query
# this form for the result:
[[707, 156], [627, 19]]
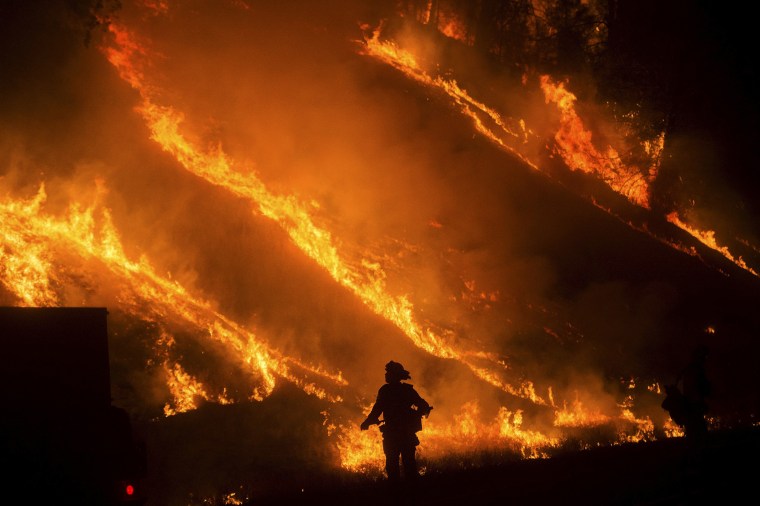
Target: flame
[[468, 431], [452, 26], [501, 132], [707, 237], [185, 389], [364, 278], [187, 392], [578, 151], [671, 429], [361, 451], [31, 239], [24, 266], [644, 428], [573, 140], [578, 416], [29, 272]]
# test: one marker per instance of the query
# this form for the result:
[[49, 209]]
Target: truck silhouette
[[62, 441]]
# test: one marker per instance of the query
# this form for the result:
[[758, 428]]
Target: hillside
[[272, 211]]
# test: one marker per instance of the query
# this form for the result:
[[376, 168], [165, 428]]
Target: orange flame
[[707, 237], [30, 239], [33, 280], [452, 26], [362, 450], [364, 278], [574, 141], [579, 153], [504, 135], [25, 268]]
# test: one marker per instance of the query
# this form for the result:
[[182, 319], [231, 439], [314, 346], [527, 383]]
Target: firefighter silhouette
[[687, 406], [696, 388], [402, 409]]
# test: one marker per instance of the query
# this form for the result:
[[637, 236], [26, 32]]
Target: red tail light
[[129, 492]]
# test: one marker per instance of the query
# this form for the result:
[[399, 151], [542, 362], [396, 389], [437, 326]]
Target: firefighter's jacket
[[402, 409]]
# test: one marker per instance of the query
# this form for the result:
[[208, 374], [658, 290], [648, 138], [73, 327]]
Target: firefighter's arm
[[424, 410], [373, 418], [423, 406]]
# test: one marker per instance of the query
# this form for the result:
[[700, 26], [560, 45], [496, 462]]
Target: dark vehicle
[[62, 441]]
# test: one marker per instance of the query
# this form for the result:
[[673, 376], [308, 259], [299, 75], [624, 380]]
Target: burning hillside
[[277, 200]]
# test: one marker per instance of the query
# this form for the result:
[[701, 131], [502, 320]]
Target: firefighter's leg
[[409, 459], [392, 451]]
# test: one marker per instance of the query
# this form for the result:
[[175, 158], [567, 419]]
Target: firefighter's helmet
[[395, 370]]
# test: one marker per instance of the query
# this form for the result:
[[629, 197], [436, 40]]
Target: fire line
[[317, 243], [28, 235], [573, 140]]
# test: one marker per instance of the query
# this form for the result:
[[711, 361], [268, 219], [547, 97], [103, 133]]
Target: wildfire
[[24, 265], [451, 26], [31, 239], [506, 133], [578, 416], [466, 433], [707, 237], [185, 390], [364, 278], [577, 149], [573, 140], [362, 450]]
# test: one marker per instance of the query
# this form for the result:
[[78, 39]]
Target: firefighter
[[402, 409], [696, 388]]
